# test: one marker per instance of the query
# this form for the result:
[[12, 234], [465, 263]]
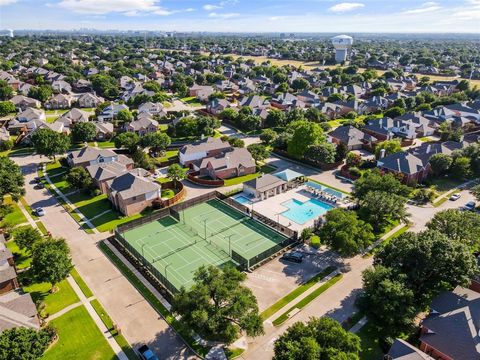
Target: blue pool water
[[303, 212], [242, 200]]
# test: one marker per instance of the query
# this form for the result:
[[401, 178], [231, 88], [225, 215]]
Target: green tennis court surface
[[205, 235]]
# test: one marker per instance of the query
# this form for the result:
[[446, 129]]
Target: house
[[131, 193], [109, 112], [31, 114], [59, 101], [198, 150], [142, 126], [264, 186], [104, 130], [62, 87], [451, 329], [74, 116], [402, 350], [82, 86], [309, 98], [201, 92], [18, 310], [352, 137], [408, 126], [287, 101], [90, 156], [89, 100], [152, 108], [228, 164], [22, 102], [4, 134], [103, 172], [254, 101], [8, 275], [216, 106]]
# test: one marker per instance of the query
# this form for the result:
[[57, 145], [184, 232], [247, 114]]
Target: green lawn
[[28, 208], [105, 144], [79, 338], [56, 301], [241, 179], [330, 186], [81, 284], [168, 193], [370, 345], [295, 293], [168, 155], [19, 151], [157, 305], [22, 258], [445, 184], [109, 221], [121, 341], [16, 216], [41, 227]]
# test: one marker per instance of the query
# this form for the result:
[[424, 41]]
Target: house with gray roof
[[92, 156], [231, 163], [208, 147], [402, 350], [143, 125], [103, 172], [131, 193], [18, 310], [264, 186], [352, 137]]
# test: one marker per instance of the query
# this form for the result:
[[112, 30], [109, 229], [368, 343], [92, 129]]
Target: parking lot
[[277, 278]]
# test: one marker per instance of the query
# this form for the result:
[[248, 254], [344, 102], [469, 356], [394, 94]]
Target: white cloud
[[469, 11], [210, 7], [127, 7], [7, 2], [223, 15], [424, 8], [346, 6], [276, 18]]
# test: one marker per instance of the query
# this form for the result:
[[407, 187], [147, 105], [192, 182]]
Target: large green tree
[[6, 107], [375, 181], [440, 163], [21, 343], [51, 261], [26, 237], [50, 143], [11, 179], [176, 172], [345, 232], [156, 141], [84, 132], [218, 306], [41, 93], [390, 146], [380, 207], [79, 178], [259, 152], [127, 140], [319, 338], [305, 134]]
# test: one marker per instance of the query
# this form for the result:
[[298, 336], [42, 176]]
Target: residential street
[[137, 320]]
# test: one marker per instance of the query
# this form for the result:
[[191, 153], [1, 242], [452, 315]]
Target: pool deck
[[273, 206]]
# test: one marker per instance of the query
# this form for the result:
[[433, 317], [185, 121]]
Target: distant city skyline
[[404, 16]]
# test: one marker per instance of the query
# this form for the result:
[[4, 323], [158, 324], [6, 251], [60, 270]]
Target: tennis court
[[211, 233]]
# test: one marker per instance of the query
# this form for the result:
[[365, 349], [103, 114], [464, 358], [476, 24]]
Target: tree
[[127, 140], [315, 115], [236, 142], [26, 237], [176, 173], [440, 163], [6, 107], [157, 141], [218, 306], [50, 143], [79, 178], [300, 84], [431, 261], [387, 301], [319, 338], [476, 192], [124, 116], [375, 181], [84, 132], [22, 343], [275, 118], [305, 134], [460, 167], [51, 261], [11, 179], [394, 112], [323, 153], [259, 152], [268, 136], [41, 93], [345, 232], [390, 146], [463, 226], [142, 160], [6, 91], [380, 207]]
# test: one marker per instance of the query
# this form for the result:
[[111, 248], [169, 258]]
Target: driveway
[[138, 321]]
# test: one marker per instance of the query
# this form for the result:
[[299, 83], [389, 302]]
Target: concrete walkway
[[63, 311], [356, 328], [69, 203], [27, 215], [110, 339]]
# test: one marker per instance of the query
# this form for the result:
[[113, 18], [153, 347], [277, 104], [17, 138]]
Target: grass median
[[296, 293], [179, 328], [308, 299]]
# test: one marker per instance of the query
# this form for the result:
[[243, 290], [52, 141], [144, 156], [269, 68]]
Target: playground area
[[210, 233]]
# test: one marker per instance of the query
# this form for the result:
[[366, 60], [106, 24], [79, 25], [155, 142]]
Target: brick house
[[228, 164], [143, 125], [352, 137], [89, 100], [90, 156], [208, 147]]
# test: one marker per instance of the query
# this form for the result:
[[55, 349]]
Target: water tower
[[342, 43]]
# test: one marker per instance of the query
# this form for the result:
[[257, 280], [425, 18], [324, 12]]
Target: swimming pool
[[301, 212], [242, 200]]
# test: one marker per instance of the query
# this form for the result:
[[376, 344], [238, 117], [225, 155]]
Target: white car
[[39, 211], [455, 197]]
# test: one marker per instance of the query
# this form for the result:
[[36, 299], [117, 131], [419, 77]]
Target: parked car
[[39, 211], [293, 256], [469, 206], [37, 179], [455, 197], [146, 353], [39, 185]]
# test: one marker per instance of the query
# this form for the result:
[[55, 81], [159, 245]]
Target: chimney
[[429, 148], [227, 161], [381, 122], [382, 153]]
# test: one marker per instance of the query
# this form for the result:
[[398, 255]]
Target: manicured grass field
[[56, 301], [105, 144], [79, 338], [241, 179], [22, 258], [370, 346], [16, 216], [81, 284], [109, 221], [168, 155]]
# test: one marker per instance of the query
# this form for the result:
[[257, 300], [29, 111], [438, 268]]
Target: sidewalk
[[69, 203]]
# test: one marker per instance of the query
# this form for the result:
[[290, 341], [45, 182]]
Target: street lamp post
[[230, 244], [205, 229]]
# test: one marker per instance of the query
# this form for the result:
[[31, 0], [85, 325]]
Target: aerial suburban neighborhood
[[239, 181]]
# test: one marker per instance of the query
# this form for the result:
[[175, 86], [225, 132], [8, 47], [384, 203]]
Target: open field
[[210, 233]]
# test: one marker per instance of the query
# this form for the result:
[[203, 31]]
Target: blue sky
[[245, 15]]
